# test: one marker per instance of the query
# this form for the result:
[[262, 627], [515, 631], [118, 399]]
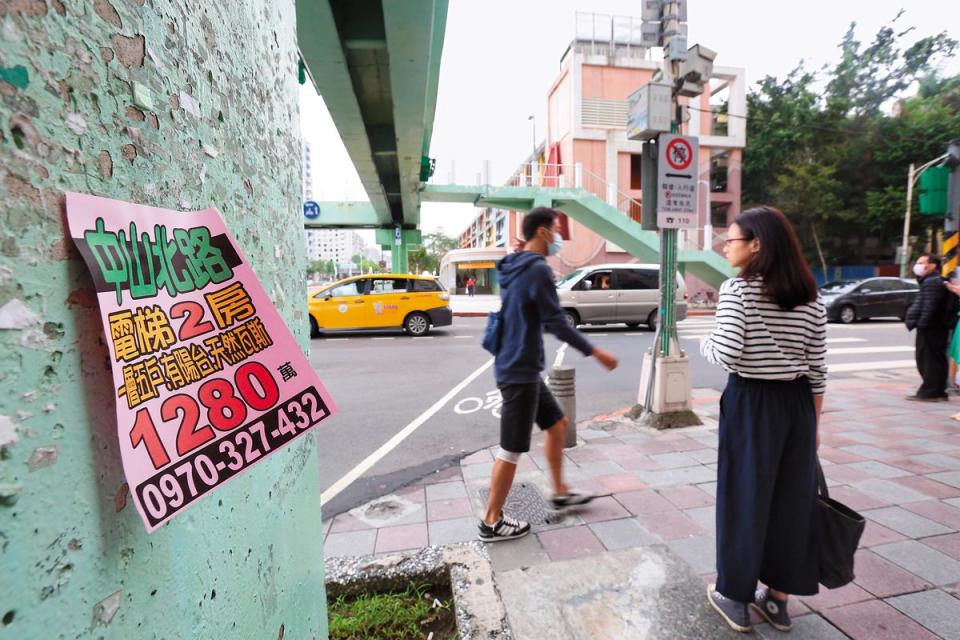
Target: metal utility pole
[[912, 176]]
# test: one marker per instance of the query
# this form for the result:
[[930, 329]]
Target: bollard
[[562, 384]]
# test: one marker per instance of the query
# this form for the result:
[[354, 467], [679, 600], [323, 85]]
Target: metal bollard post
[[562, 382]]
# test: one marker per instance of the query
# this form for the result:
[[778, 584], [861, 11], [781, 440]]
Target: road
[[402, 414]]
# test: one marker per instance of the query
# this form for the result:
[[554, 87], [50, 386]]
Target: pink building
[[586, 136]]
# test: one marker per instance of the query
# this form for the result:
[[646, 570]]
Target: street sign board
[[397, 236], [650, 11], [311, 210], [677, 181], [648, 111]]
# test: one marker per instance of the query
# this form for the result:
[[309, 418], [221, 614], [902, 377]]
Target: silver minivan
[[616, 293]]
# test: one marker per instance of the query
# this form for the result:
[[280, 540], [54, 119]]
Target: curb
[[469, 314]]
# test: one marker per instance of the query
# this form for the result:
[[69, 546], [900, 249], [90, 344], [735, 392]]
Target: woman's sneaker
[[571, 498], [506, 528], [734, 613], [772, 609]]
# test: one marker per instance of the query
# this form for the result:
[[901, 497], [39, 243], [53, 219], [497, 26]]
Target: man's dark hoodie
[[529, 304]]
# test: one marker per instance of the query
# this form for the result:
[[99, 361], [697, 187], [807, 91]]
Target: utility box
[[933, 191], [649, 111], [671, 384]]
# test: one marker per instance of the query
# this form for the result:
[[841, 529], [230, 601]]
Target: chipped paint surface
[[176, 104]]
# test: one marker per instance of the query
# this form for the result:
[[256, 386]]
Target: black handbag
[[839, 529]]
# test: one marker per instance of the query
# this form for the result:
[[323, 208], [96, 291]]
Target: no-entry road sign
[[677, 181]]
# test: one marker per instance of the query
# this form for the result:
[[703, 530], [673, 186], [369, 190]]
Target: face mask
[[919, 270], [554, 247]]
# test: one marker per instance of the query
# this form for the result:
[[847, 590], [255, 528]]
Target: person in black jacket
[[530, 305], [928, 315]]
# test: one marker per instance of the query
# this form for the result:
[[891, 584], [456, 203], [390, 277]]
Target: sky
[[501, 56]]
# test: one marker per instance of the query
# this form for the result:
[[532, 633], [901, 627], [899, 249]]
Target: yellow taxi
[[380, 301]]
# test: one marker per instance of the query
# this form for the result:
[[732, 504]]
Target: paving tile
[[443, 475], [830, 598], [572, 542], [937, 511], [326, 526], [951, 478], [889, 492], [603, 508], [688, 497], [929, 487], [948, 544], [585, 454], [514, 554], [653, 447], [854, 499], [408, 536], [935, 610], [876, 620], [686, 444], [597, 469], [413, 494], [477, 471], [622, 534], [804, 628], [706, 517], [673, 477], [913, 465], [868, 451], [447, 509], [451, 531], [864, 437], [933, 446], [621, 483], [346, 522], [674, 460], [703, 456], [908, 523], [446, 491], [838, 456], [946, 462], [921, 560], [350, 543], [845, 474], [483, 455], [878, 469], [671, 525], [646, 501], [875, 534], [709, 488], [883, 578], [700, 552]]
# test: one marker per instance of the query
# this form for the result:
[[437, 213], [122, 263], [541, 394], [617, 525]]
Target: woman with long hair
[[770, 336]]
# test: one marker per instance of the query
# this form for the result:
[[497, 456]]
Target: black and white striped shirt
[[755, 338]]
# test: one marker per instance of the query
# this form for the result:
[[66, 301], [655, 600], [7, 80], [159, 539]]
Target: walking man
[[471, 286], [928, 315], [530, 305]]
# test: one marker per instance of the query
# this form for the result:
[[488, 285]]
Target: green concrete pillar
[[138, 102]]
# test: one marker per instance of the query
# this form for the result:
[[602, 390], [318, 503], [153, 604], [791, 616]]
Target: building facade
[[586, 136], [339, 245]]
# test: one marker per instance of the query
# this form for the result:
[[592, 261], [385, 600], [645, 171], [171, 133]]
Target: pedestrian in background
[[529, 304], [471, 286], [770, 336], [928, 315], [953, 351]]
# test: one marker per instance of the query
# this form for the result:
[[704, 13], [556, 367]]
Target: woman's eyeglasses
[[729, 240]]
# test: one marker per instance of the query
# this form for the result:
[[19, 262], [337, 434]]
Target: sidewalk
[[896, 462]]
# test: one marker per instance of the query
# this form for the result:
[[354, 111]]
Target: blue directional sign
[[311, 210]]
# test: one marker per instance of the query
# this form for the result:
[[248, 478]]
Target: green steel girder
[[590, 211], [377, 65], [345, 215]]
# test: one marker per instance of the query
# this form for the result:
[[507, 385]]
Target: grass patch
[[411, 615]]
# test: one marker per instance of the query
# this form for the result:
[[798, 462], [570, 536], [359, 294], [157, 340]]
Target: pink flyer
[[208, 379]]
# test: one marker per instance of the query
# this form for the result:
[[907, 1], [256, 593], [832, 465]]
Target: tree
[[429, 254]]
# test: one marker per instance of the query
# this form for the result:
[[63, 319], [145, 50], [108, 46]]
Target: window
[[635, 179], [719, 214], [598, 280], [354, 288], [424, 285], [637, 279], [719, 163], [388, 285]]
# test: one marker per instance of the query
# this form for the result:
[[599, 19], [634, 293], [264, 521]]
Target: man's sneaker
[[734, 613], [772, 609], [916, 398], [506, 528], [572, 498]]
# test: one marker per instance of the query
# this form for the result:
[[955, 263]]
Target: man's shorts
[[524, 404]]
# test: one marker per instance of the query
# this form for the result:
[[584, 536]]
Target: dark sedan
[[851, 300]]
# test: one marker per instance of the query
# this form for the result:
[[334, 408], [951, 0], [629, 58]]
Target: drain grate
[[526, 503]]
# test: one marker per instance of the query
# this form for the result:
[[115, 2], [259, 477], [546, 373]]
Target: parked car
[[616, 293], [380, 301], [850, 300]]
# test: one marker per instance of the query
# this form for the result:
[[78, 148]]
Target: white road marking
[[391, 338], [399, 437], [336, 339], [871, 366], [839, 340], [424, 338], [461, 337], [853, 350]]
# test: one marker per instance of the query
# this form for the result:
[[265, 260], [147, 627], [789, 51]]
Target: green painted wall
[[179, 104]]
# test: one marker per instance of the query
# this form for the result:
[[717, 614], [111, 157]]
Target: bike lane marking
[[399, 437]]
